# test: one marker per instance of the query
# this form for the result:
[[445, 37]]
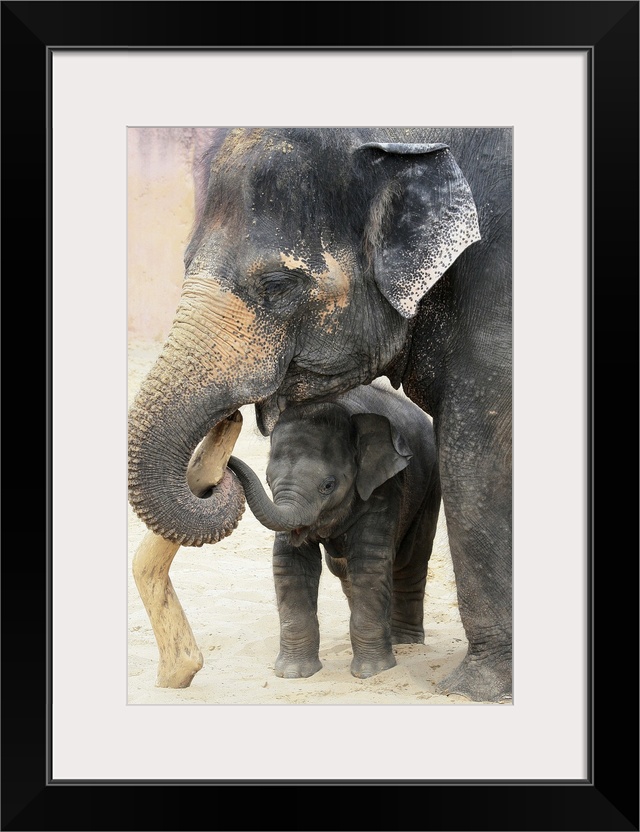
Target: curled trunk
[[278, 518], [166, 423], [208, 368]]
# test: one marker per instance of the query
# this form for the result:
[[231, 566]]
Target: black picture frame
[[608, 798]]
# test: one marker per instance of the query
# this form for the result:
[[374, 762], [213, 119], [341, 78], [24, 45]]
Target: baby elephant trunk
[[276, 518]]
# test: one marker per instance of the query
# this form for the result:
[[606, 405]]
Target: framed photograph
[[563, 78]]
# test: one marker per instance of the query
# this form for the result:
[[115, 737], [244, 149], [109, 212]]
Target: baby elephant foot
[[294, 667], [405, 634], [364, 667]]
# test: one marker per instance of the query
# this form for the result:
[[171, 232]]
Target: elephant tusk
[[209, 460]]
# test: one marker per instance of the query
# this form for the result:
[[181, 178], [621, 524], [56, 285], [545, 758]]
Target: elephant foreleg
[[369, 564], [369, 623], [410, 571], [476, 489], [296, 573], [180, 658]]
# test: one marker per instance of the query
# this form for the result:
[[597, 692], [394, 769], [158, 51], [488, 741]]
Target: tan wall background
[[160, 210]]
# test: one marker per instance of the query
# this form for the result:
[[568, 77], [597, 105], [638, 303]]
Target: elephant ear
[[382, 452], [422, 218]]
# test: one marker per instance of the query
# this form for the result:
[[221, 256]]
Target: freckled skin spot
[[331, 285], [293, 262], [337, 279]]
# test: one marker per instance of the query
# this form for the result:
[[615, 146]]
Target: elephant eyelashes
[[279, 287], [327, 485]]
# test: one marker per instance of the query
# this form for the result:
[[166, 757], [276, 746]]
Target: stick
[[180, 658]]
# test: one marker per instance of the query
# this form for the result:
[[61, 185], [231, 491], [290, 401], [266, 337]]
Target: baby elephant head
[[322, 459]]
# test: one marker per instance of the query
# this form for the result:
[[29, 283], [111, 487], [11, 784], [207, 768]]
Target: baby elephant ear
[[382, 452], [422, 218]]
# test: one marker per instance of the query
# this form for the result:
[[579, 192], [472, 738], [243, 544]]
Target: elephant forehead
[[237, 144], [310, 440], [240, 141]]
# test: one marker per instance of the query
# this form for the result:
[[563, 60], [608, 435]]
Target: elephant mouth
[[310, 534], [299, 536], [268, 412], [295, 391], [302, 384]]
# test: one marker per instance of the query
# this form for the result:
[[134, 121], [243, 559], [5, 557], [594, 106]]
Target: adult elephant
[[321, 259]]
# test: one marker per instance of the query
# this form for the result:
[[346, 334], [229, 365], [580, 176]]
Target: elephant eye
[[327, 485], [275, 283], [281, 286]]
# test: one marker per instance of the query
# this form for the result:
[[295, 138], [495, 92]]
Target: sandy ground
[[228, 596]]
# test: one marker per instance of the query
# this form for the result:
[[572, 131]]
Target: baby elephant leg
[[296, 573], [410, 574], [407, 609], [370, 577]]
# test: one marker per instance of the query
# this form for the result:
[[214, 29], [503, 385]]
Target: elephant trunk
[[278, 518], [214, 361], [174, 409], [159, 489]]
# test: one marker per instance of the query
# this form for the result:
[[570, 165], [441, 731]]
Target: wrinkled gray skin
[[359, 476], [321, 259]]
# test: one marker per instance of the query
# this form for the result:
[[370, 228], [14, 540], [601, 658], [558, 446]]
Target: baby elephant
[[358, 475]]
